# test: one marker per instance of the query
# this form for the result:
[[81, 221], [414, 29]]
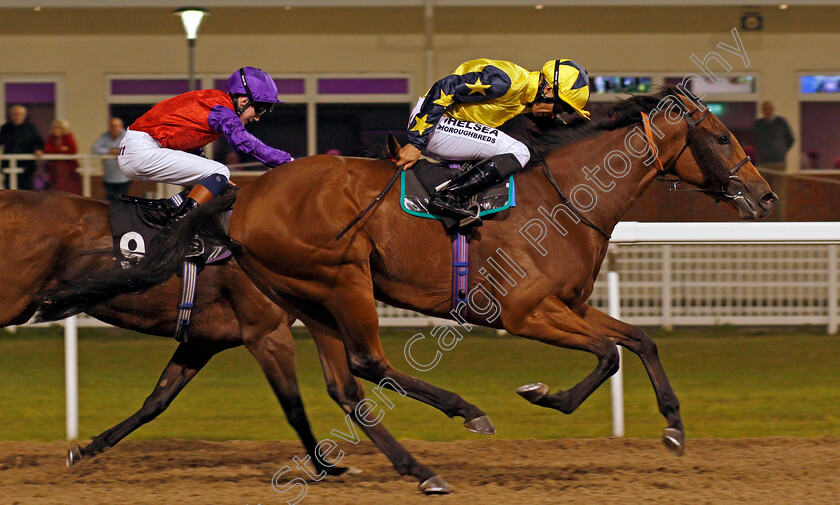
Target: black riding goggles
[[261, 108], [559, 105]]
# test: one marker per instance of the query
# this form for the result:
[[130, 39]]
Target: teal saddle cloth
[[417, 184]]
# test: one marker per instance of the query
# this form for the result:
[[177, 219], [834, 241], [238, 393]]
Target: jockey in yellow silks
[[457, 120]]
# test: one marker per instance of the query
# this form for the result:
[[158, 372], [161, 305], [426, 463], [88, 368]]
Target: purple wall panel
[[30, 92], [362, 86], [149, 86]]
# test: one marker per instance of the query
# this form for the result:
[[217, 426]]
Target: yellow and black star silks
[[483, 91]]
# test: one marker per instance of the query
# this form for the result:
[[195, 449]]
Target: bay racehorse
[[50, 236], [284, 227]]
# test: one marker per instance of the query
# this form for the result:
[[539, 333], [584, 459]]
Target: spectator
[[773, 138], [836, 162], [812, 160], [115, 182], [62, 173], [19, 136]]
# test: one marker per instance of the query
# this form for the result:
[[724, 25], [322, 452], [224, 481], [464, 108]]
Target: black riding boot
[[449, 200], [197, 245], [186, 206]]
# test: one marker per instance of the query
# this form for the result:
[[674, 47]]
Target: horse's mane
[[542, 136]]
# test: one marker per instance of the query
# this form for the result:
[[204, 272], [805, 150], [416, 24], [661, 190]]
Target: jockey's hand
[[408, 156]]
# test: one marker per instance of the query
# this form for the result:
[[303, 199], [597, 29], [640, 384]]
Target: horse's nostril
[[769, 199]]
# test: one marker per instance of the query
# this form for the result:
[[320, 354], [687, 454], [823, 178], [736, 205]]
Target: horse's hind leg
[[352, 305], [554, 323], [188, 359], [275, 352], [347, 391], [637, 341]]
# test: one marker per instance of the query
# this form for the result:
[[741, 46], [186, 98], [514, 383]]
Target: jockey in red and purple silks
[[158, 146]]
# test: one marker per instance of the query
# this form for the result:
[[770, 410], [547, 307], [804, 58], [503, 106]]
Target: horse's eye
[[723, 139]]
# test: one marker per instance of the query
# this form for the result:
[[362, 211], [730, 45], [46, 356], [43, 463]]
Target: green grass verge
[[731, 383]]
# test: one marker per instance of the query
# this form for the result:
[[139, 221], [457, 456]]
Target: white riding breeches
[[142, 158], [454, 139]]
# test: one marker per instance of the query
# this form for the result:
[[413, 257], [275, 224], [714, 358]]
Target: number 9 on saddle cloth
[[135, 222]]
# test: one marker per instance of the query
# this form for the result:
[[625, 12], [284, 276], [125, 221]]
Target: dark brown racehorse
[[51, 235], [284, 228]]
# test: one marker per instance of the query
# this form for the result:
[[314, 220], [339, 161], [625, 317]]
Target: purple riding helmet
[[257, 86]]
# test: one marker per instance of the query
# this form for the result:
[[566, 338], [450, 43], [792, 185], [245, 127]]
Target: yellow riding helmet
[[571, 83]]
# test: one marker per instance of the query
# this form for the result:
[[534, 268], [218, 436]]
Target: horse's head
[[716, 163]]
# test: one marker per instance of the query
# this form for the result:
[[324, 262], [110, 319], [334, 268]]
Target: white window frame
[[57, 79], [814, 97]]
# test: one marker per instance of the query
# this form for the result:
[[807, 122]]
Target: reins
[[373, 203], [568, 203]]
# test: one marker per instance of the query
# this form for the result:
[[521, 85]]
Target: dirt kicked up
[[602, 471]]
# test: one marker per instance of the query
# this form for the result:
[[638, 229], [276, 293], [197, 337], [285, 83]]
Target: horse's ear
[[393, 146]]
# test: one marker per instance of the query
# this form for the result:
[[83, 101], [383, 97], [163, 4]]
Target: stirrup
[[442, 208], [473, 220], [196, 248]]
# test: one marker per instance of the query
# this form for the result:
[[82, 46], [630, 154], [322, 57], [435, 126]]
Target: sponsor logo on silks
[[472, 126]]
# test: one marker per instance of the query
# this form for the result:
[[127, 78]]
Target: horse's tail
[[162, 261]]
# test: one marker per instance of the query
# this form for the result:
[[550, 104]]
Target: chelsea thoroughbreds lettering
[[468, 129]]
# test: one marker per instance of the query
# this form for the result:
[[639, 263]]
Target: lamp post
[[191, 17]]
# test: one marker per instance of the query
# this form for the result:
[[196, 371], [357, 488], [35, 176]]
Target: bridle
[[674, 181], [663, 172]]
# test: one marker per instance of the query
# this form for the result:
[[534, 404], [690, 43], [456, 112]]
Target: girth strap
[[460, 274], [188, 282]]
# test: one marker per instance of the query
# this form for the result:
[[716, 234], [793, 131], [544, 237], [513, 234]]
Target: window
[[607, 84], [819, 124], [726, 85], [39, 98], [360, 129], [819, 120], [351, 114], [819, 84]]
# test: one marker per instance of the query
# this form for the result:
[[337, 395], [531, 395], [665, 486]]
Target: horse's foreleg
[[352, 306], [188, 359], [637, 341], [275, 352], [554, 323], [347, 392]]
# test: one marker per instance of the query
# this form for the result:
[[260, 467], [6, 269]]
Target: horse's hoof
[[533, 392], [340, 471], [481, 425], [74, 455], [434, 485], [674, 440]]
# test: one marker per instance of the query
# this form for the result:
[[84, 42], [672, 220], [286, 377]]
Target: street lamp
[[191, 17]]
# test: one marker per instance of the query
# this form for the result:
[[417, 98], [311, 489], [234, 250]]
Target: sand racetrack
[[602, 471]]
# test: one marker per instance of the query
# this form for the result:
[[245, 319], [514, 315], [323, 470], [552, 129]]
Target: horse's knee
[[646, 344], [152, 408], [366, 366], [610, 359], [640, 343]]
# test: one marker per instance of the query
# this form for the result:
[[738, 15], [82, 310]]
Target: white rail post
[[617, 380], [71, 376], [667, 289], [832, 289], [13, 173], [86, 171]]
